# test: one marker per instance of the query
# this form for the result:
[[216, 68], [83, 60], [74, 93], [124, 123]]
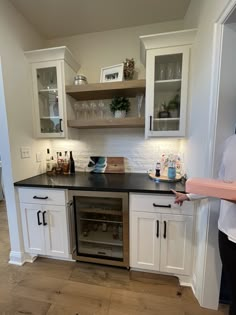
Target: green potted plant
[[174, 105], [164, 112], [120, 106]]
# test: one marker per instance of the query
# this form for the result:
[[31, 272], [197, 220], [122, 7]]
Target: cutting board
[[102, 164], [115, 165]]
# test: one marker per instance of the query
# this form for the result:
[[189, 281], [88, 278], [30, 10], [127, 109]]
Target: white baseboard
[[17, 258]]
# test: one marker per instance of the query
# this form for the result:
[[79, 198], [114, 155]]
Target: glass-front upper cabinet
[[51, 69], [167, 72], [48, 99]]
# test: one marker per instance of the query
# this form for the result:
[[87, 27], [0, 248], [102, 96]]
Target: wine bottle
[[48, 161], [66, 164], [72, 164]]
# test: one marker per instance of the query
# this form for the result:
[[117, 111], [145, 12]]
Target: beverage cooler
[[101, 227]]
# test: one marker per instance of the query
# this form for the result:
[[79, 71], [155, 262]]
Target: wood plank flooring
[[54, 287]]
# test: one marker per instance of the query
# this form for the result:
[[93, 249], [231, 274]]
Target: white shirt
[[227, 172]]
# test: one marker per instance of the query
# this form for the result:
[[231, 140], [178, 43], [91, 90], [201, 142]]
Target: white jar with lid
[[80, 79]]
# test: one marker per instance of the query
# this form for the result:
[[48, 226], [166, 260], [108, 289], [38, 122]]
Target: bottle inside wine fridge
[[101, 227]]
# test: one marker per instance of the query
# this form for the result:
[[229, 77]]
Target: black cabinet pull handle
[[44, 198], [157, 229], [44, 222], [61, 130], [150, 127], [162, 206], [164, 235], [38, 213]]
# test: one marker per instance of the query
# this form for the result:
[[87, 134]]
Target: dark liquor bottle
[[72, 164]]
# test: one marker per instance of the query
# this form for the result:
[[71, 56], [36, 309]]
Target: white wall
[[101, 49], [94, 51], [16, 35], [203, 14]]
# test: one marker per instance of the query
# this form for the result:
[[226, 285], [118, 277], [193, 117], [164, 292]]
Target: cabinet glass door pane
[[99, 225], [167, 92], [48, 100]]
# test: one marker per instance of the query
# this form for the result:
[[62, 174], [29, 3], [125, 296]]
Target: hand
[[179, 197]]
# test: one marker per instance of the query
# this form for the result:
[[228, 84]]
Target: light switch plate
[[39, 157], [25, 152]]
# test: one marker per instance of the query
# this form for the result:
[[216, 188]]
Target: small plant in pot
[[174, 105], [120, 106]]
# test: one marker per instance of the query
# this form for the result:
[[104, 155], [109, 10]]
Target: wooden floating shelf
[[131, 122], [100, 91]]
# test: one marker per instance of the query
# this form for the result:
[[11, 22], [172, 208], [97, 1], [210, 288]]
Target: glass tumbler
[[170, 72], [161, 75], [178, 70]]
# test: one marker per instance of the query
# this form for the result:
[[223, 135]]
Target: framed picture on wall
[[112, 73]]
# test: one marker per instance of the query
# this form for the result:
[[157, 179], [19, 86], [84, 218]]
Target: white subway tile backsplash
[[140, 155]]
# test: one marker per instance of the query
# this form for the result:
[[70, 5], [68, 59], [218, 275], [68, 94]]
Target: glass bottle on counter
[[66, 167], [48, 161], [72, 163]]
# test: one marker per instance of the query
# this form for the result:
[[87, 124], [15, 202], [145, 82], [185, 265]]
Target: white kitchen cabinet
[[176, 244], [161, 236], [45, 222], [52, 69], [166, 57], [144, 240]]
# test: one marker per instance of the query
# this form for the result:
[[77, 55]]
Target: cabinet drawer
[[42, 196], [159, 203]]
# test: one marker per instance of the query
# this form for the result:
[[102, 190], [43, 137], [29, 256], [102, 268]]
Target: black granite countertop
[[128, 182]]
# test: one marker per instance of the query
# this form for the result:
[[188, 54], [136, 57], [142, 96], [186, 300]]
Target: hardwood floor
[[55, 287]]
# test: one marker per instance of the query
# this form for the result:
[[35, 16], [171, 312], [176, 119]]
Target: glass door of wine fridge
[[101, 227]]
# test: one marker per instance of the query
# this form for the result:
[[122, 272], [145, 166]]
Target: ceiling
[[61, 18]]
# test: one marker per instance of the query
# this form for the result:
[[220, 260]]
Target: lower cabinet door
[[176, 244], [145, 240], [56, 231], [33, 232]]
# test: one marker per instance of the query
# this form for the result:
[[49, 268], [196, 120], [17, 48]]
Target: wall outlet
[[25, 152], [39, 157]]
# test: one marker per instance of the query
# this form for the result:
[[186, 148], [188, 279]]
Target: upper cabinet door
[[166, 91], [48, 99], [52, 68]]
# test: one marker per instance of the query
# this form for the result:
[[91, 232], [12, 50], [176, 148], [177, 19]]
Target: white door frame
[[211, 278], [17, 254], [215, 82]]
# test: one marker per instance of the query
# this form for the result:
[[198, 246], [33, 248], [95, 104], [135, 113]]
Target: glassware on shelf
[[52, 84], [139, 103], [78, 109], [170, 72], [161, 74], [93, 110], [85, 110], [178, 70], [101, 109]]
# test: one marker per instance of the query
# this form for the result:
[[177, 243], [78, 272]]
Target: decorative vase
[[129, 69], [120, 113], [171, 172]]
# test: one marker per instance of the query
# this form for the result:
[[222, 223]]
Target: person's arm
[[181, 197]]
